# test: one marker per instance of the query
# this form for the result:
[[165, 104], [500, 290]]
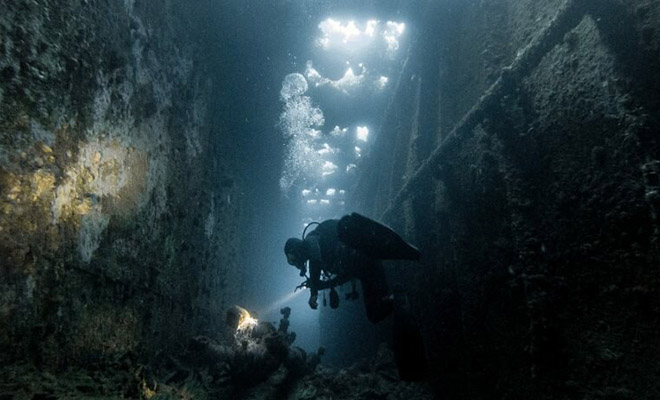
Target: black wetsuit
[[328, 254]]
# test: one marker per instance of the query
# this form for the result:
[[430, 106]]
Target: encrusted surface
[[114, 238], [539, 227]]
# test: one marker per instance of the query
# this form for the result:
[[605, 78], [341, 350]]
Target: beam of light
[[397, 28], [339, 32], [280, 302], [392, 33], [326, 150], [382, 82], [328, 168], [338, 132], [349, 36], [371, 28], [350, 80], [362, 133]]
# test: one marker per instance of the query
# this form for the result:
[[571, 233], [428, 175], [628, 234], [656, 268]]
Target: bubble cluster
[[301, 162], [299, 123], [300, 117], [293, 85], [314, 157]]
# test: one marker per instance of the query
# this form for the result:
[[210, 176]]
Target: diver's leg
[[377, 304], [353, 295]]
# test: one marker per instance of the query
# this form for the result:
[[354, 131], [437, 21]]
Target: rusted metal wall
[[520, 152], [119, 215]]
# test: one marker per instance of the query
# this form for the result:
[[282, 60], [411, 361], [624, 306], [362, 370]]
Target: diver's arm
[[315, 266], [314, 282], [314, 277]]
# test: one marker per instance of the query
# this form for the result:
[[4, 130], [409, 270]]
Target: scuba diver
[[338, 251], [351, 248]]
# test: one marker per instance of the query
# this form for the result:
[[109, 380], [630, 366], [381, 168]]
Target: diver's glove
[[303, 285], [313, 301]]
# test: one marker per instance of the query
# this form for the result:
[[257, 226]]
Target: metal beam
[[568, 17]]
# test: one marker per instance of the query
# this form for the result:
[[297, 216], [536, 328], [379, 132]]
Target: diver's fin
[[375, 239]]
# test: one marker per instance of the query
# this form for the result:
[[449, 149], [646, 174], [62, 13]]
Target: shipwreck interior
[[156, 155]]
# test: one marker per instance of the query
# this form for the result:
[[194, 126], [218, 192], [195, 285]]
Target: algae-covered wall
[[119, 207], [521, 154]]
